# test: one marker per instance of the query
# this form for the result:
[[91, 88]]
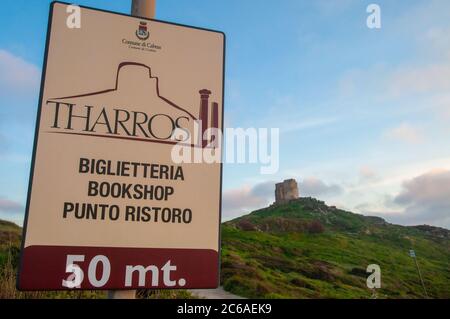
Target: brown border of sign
[[38, 120]]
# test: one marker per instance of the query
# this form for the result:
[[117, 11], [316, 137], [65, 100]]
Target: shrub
[[246, 225], [315, 227], [301, 283]]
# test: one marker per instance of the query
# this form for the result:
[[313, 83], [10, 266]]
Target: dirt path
[[218, 293]]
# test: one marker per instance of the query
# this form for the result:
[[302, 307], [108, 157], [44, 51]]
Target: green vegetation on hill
[[303, 249], [306, 249], [10, 235], [9, 232]]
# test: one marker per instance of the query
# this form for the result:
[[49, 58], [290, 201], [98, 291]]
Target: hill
[[10, 235], [306, 249], [9, 232]]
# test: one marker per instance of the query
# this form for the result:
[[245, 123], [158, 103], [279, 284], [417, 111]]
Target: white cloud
[[424, 199], [405, 133], [438, 40], [426, 71], [9, 206], [366, 173], [428, 188], [420, 79], [307, 123], [441, 104], [312, 186], [385, 82], [17, 74], [245, 199]]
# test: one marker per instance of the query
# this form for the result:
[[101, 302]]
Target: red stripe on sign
[[73, 268]]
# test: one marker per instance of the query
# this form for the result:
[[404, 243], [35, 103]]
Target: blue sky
[[364, 114]]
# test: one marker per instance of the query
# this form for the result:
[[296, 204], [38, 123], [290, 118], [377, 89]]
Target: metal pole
[[421, 279], [144, 9]]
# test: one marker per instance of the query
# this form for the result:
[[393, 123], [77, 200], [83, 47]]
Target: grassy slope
[[9, 231], [279, 255], [10, 235], [275, 253]]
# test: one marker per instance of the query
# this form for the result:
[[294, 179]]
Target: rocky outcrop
[[286, 191]]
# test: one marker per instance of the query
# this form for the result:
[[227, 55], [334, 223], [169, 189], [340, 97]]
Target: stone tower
[[286, 191]]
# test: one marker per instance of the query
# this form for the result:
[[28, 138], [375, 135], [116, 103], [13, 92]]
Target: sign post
[[412, 254], [146, 9], [143, 8], [125, 189]]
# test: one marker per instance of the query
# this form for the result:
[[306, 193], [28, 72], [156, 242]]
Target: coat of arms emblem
[[142, 32]]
